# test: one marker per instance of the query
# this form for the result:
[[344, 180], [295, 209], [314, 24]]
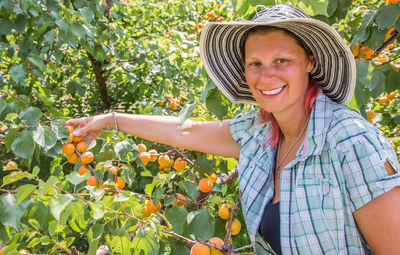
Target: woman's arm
[[379, 220], [210, 137]]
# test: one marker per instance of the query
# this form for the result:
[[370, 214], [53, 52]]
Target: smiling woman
[[314, 176]]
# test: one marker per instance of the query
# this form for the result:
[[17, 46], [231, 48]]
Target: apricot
[[81, 147], [92, 181], [68, 149], [224, 212], [73, 158], [120, 183], [173, 105], [153, 155], [235, 226], [370, 115], [77, 139], [151, 207], [367, 52], [179, 200], [356, 50], [146, 213], [70, 129], [113, 169], [217, 242], [2, 250], [163, 160], [211, 15], [200, 249], [179, 164], [145, 157], [219, 19], [391, 95], [205, 185], [142, 147], [83, 170], [389, 33], [383, 100], [213, 178], [87, 157], [70, 138]]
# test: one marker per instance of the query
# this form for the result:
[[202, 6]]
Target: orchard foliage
[[64, 59]]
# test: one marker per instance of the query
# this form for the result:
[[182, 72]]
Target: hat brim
[[222, 43]]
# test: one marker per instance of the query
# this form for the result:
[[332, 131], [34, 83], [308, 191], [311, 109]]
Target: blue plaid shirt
[[338, 169]]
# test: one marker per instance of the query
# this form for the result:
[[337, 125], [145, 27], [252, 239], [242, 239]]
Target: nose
[[266, 73]]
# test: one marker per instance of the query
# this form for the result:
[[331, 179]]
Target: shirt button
[[325, 188]]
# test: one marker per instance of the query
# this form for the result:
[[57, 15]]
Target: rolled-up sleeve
[[363, 164], [241, 124]]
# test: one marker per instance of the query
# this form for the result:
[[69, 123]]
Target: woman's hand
[[90, 127]]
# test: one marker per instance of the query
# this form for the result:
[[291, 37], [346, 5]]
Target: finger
[[81, 131], [73, 122]]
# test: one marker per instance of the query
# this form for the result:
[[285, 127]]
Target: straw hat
[[221, 51]]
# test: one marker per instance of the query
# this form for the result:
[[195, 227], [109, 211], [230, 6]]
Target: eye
[[282, 60], [253, 64]]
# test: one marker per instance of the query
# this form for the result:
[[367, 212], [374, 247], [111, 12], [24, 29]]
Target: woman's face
[[276, 69]]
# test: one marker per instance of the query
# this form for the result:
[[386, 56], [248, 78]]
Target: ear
[[311, 63]]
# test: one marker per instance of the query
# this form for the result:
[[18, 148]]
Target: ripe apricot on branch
[[77, 139], [383, 100], [82, 170], [153, 155], [391, 95], [370, 115], [213, 178], [224, 212], [113, 169], [179, 200], [145, 157], [87, 157], [200, 249], [205, 185], [367, 52], [68, 149], [151, 207], [92, 181], [70, 129], [142, 147], [235, 226], [179, 164], [120, 183], [73, 158], [217, 242], [81, 147], [163, 160], [356, 50]]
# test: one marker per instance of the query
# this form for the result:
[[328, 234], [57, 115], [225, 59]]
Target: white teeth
[[272, 92]]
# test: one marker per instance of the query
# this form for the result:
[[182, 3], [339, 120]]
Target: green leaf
[[201, 225], [12, 177], [74, 178], [37, 61], [24, 192], [94, 235], [363, 31], [178, 247], [45, 137], [5, 26], [10, 212], [175, 215], [215, 103], [17, 73], [191, 189], [126, 150], [30, 116], [387, 15], [185, 113], [87, 14], [369, 75], [313, 8], [98, 209], [58, 204], [44, 187], [205, 165], [23, 146], [392, 79], [145, 242], [78, 30]]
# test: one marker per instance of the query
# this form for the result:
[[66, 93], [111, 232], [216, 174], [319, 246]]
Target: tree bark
[[101, 81]]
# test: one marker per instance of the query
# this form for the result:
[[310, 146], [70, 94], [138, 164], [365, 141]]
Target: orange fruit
[[219, 19], [24, 252], [77, 139], [389, 33], [200, 249], [383, 100], [146, 213], [356, 50], [163, 160], [235, 226], [224, 212], [217, 242], [151, 207], [392, 95], [120, 183], [153, 155], [367, 52], [370, 114], [211, 15], [70, 138], [70, 129], [213, 178], [179, 200], [92, 181], [205, 185], [81, 147], [68, 149], [179, 164], [142, 147], [87, 157], [173, 105], [145, 157], [113, 169], [73, 158], [83, 170], [2, 250]]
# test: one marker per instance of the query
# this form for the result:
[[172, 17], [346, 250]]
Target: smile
[[272, 92]]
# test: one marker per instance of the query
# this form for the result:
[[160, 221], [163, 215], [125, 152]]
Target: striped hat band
[[222, 44]]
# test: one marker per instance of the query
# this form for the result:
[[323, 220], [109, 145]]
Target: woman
[[315, 177]]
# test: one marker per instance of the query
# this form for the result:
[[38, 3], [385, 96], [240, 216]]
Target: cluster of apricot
[[203, 249], [212, 17], [164, 161], [390, 1], [180, 200], [362, 52], [174, 103], [383, 100], [92, 180], [224, 213], [76, 150], [206, 184]]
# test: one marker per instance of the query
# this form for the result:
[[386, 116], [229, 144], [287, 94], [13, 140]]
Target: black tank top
[[270, 227]]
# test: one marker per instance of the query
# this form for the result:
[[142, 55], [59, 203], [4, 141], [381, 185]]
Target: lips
[[272, 92]]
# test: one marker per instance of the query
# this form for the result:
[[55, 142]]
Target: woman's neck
[[292, 125]]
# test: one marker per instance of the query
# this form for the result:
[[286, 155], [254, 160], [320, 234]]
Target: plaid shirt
[[338, 169]]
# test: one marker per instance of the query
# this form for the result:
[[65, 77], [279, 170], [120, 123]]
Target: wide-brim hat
[[222, 46]]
